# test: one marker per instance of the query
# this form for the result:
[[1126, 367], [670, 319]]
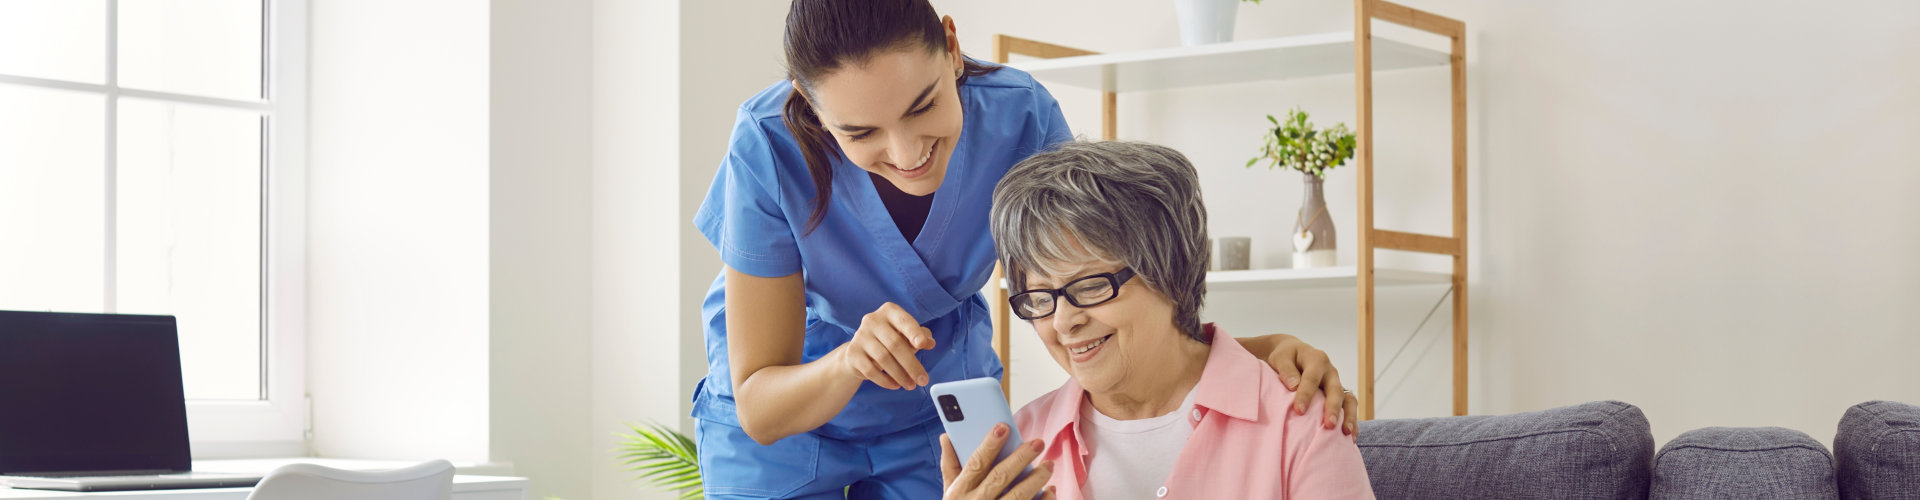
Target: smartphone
[[969, 409]]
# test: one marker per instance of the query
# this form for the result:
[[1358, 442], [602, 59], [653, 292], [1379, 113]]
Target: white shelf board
[[1319, 277], [1268, 59]]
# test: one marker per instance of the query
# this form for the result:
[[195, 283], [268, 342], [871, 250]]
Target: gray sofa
[[1605, 450], [1877, 451]]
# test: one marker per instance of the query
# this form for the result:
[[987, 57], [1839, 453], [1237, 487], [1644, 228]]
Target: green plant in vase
[[1295, 144]]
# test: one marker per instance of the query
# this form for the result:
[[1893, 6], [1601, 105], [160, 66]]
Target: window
[[151, 162]]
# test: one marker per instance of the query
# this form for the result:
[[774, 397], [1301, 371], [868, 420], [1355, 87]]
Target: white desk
[[465, 487]]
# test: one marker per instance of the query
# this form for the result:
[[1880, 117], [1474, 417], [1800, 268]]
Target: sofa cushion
[[1594, 450], [1743, 462], [1877, 451]]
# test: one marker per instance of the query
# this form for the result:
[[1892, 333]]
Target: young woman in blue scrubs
[[851, 213]]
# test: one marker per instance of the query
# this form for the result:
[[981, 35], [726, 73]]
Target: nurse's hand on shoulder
[[1309, 372], [980, 478], [882, 350]]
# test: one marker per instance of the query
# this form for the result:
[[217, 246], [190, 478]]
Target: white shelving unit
[[1319, 277], [1266, 60], [1361, 53]]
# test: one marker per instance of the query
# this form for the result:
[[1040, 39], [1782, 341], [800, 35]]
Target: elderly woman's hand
[[1309, 372], [981, 478]]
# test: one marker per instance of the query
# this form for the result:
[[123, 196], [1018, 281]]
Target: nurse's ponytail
[[822, 35], [815, 144]]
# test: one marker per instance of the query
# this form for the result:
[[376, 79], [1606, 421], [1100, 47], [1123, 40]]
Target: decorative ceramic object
[[1205, 21], [1232, 253]]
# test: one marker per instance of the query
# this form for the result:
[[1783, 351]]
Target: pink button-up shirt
[[1246, 441]]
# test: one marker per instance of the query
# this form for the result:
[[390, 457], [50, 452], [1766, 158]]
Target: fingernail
[[922, 379], [1293, 382], [1034, 444], [999, 430], [1047, 465]]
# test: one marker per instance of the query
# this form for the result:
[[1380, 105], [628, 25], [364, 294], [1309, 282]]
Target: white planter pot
[[1205, 21]]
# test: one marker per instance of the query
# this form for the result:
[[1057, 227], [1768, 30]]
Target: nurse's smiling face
[[897, 113]]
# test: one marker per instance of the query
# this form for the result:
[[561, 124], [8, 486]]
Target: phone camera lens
[[950, 406]]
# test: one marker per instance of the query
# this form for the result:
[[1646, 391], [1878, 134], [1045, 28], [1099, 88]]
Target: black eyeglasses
[[1088, 291]]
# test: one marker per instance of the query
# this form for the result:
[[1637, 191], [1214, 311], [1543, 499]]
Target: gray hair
[[1127, 202]]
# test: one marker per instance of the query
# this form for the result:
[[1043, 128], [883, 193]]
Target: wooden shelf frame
[[1371, 237]]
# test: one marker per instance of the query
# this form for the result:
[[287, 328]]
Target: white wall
[[524, 159], [663, 113], [1703, 209], [638, 304], [1218, 128], [1700, 209], [1640, 230], [748, 36], [541, 383], [398, 230], [710, 96]]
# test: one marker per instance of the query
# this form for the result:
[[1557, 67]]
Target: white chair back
[[427, 481]]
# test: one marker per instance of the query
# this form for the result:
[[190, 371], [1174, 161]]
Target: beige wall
[[1704, 209], [541, 384]]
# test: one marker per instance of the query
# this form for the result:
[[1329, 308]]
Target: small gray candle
[[1232, 253]]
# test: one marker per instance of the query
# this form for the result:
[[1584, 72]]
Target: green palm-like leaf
[[662, 457]]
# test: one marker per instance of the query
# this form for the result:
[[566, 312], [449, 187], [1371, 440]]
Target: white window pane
[[200, 47], [57, 39], [188, 236], [52, 200]]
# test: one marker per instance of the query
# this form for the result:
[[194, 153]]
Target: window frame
[[278, 424]]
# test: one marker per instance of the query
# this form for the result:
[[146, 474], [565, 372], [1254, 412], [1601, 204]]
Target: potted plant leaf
[[1295, 144], [663, 458]]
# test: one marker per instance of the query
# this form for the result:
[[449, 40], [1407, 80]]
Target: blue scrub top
[[756, 215]]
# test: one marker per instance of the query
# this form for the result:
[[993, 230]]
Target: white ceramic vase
[[1205, 21]]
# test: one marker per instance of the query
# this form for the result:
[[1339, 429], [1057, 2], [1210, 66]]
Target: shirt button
[[1196, 414], [1162, 493]]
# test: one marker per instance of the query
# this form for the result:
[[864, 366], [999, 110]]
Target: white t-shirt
[[1129, 459]]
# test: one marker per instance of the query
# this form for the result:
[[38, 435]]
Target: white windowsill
[[470, 478], [262, 465]]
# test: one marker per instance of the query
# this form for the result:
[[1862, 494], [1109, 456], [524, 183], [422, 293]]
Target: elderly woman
[[1107, 245]]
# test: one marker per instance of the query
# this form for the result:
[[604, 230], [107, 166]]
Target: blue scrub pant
[[901, 465]]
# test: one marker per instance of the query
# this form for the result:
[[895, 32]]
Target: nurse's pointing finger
[[920, 336], [870, 370], [889, 364], [902, 358]]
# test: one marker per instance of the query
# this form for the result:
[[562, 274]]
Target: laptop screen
[[90, 392]]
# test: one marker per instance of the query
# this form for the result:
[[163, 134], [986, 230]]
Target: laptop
[[94, 402]]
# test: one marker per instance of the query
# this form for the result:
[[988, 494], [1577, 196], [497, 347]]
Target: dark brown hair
[[823, 35]]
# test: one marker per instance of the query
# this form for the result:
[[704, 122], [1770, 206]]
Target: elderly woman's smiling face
[[1101, 345]]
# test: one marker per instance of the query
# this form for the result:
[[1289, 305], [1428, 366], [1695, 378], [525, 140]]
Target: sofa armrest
[[1877, 451]]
